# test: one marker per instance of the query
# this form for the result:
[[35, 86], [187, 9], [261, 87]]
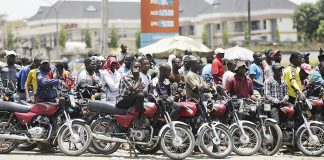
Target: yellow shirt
[[292, 81], [31, 79]]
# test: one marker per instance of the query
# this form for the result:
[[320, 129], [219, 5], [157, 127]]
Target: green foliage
[[225, 35], [113, 38], [320, 32], [138, 40], [204, 36], [87, 38], [10, 38], [320, 7], [306, 20], [63, 37], [277, 34]]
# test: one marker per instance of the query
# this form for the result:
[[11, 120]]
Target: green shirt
[[193, 80]]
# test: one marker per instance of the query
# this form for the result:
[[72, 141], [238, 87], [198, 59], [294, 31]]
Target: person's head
[[276, 56], [25, 61], [111, 64], [257, 56], [45, 65], [92, 53], [90, 64], [123, 48], [186, 63], [11, 57], [241, 68], [268, 54], [145, 63], [188, 52], [176, 63], [135, 67], [60, 67], [306, 57], [99, 62], [219, 52], [165, 70], [305, 70], [65, 63], [321, 68], [37, 60], [231, 65], [210, 60], [129, 58], [277, 70], [296, 59], [194, 64]]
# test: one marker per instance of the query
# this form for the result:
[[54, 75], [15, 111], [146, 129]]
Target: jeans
[[131, 100]]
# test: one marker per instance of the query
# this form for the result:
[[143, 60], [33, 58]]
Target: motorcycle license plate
[[267, 107]]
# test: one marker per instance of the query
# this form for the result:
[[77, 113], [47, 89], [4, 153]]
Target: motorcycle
[[147, 130], [316, 97], [299, 131], [43, 123]]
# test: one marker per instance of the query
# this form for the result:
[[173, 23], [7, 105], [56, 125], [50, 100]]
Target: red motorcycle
[[146, 132], [46, 124]]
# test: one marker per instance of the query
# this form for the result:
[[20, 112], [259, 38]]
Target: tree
[[320, 7], [63, 37], [204, 36], [87, 38], [10, 38], [320, 32], [306, 20], [113, 38], [225, 35], [138, 40]]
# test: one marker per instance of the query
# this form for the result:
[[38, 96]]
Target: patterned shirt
[[274, 91], [125, 83]]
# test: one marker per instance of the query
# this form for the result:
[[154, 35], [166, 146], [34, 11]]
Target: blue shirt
[[207, 71], [123, 70], [257, 71], [46, 85], [22, 76], [317, 77]]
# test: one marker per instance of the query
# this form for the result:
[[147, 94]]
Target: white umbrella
[[238, 53], [174, 45]]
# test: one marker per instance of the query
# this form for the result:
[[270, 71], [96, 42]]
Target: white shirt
[[226, 75], [267, 69], [146, 79], [110, 83]]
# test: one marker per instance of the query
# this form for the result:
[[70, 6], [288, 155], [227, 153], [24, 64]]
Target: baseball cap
[[277, 66], [8, 53], [219, 50], [306, 67], [44, 59], [240, 64]]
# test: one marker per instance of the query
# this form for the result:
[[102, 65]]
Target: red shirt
[[242, 88], [217, 66]]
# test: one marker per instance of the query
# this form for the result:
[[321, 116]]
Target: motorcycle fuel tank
[[189, 109], [46, 109]]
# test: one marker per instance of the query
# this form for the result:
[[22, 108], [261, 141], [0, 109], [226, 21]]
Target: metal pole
[[249, 22], [57, 36], [104, 27], [211, 31]]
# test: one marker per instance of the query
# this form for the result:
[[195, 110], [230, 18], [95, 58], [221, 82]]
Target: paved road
[[19, 155]]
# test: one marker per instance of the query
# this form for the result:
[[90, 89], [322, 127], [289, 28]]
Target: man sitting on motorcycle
[[131, 89], [275, 90]]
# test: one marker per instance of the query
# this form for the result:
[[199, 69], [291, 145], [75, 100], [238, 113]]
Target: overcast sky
[[18, 9]]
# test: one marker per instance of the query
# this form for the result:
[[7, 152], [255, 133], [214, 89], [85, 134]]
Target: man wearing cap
[[240, 85], [217, 65], [47, 82], [271, 57], [122, 54], [275, 90], [305, 70], [256, 72], [9, 70]]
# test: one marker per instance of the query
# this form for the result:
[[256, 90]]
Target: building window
[[218, 27], [255, 25], [264, 24], [240, 26], [187, 30], [191, 30]]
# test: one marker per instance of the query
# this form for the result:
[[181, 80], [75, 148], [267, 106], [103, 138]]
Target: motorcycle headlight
[[103, 97], [15, 97]]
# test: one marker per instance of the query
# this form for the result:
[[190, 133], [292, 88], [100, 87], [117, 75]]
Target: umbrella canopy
[[238, 53], [174, 45]]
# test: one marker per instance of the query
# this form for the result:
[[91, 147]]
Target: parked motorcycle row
[[215, 125]]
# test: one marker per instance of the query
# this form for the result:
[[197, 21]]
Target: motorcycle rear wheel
[[267, 148], [7, 145], [303, 140]]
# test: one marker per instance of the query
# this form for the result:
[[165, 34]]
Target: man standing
[[275, 90], [317, 75], [217, 65], [9, 70], [195, 84], [207, 69], [256, 72], [229, 73], [122, 54], [128, 59], [176, 77], [306, 57], [145, 66], [292, 78], [240, 85]]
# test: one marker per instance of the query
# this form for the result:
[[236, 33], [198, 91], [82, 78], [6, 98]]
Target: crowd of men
[[127, 79]]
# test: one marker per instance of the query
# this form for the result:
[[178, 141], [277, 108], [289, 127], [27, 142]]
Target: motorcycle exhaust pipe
[[106, 138], [15, 137]]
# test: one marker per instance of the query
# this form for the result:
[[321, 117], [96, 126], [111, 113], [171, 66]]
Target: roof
[[131, 10]]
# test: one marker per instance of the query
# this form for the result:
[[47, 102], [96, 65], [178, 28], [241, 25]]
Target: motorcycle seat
[[13, 107], [105, 107]]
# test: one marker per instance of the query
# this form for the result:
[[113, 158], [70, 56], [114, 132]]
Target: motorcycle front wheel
[[246, 146], [272, 139], [76, 143], [311, 146], [210, 147], [180, 149]]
